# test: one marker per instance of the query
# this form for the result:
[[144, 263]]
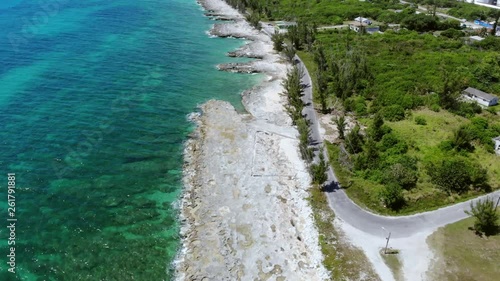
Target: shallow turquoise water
[[93, 102]]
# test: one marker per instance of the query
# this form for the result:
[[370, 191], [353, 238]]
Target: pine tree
[[376, 131], [319, 171], [354, 140], [340, 121]]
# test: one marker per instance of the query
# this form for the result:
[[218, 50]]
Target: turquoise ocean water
[[93, 102]]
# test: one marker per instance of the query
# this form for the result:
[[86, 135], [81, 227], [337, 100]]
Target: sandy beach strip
[[244, 210]]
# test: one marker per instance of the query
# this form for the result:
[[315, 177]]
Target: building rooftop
[[357, 23], [365, 20], [476, 38], [479, 93]]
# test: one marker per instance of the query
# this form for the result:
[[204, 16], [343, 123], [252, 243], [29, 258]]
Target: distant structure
[[283, 26], [363, 20], [357, 26], [483, 24], [496, 141], [361, 26], [476, 38], [473, 39], [488, 26], [487, 2], [480, 97], [372, 29]]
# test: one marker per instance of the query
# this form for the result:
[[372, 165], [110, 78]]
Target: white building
[[480, 97], [475, 38], [363, 20], [487, 3], [496, 141], [357, 26]]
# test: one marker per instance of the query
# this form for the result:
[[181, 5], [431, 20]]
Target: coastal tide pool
[[93, 106]]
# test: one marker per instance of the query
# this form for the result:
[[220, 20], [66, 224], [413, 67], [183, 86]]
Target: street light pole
[[387, 243]]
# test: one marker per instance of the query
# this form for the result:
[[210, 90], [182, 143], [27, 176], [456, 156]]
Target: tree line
[[294, 92]]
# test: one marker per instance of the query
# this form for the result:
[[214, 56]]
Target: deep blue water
[[93, 102]]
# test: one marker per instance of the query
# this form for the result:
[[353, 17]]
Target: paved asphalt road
[[349, 212]]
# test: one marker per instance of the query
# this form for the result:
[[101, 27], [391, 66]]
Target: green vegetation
[[354, 140], [463, 255], [419, 120], [293, 91], [340, 122], [318, 171], [344, 261], [327, 11], [392, 76], [374, 186], [484, 211], [392, 196], [278, 41], [407, 68], [455, 175], [425, 147]]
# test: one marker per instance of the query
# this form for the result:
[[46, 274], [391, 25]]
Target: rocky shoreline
[[244, 211]]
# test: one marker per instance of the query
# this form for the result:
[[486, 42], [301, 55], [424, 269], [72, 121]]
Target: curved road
[[349, 212]]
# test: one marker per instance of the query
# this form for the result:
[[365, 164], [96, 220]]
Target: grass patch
[[394, 263], [423, 141], [308, 60], [462, 255], [344, 261]]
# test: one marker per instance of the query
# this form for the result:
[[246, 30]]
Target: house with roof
[[480, 97], [363, 20], [362, 27], [357, 26]]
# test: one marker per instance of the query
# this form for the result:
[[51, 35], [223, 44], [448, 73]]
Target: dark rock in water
[[144, 203], [216, 16], [211, 14], [237, 67], [223, 18], [225, 30], [241, 54], [133, 159], [112, 202]]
